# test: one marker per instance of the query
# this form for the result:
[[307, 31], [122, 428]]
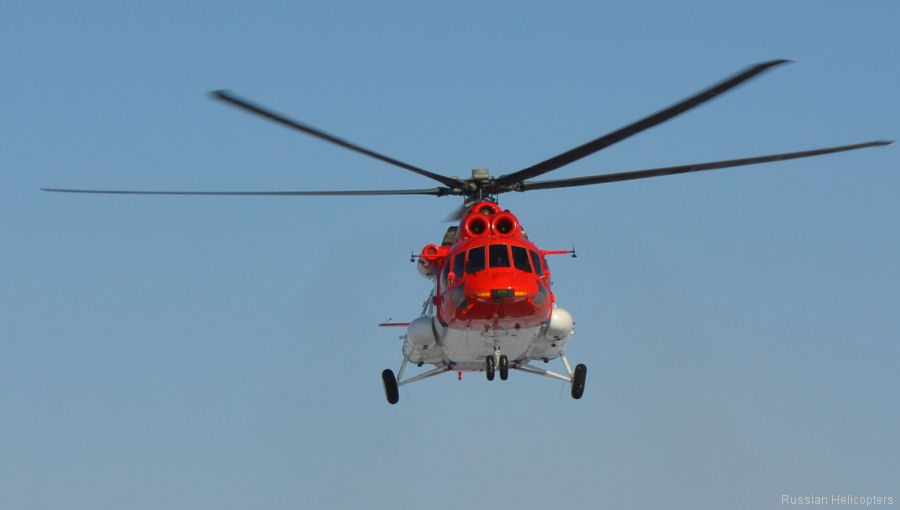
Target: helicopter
[[491, 308]]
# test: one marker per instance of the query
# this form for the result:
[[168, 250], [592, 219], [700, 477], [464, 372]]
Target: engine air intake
[[505, 224], [476, 226]]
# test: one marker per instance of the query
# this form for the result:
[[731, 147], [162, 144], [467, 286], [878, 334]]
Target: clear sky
[[741, 328]]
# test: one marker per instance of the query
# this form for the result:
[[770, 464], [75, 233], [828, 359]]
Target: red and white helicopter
[[492, 308]]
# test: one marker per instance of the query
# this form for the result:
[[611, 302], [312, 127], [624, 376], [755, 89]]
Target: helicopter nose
[[503, 295]]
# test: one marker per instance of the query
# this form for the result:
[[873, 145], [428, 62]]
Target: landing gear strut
[[575, 377], [392, 383], [493, 363]]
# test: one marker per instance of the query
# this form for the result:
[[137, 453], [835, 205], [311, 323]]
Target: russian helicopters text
[[492, 308]]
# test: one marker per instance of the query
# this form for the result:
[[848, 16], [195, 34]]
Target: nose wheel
[[493, 363]]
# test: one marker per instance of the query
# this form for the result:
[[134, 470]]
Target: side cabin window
[[459, 261], [520, 258], [445, 272], [536, 261], [499, 255], [476, 261]]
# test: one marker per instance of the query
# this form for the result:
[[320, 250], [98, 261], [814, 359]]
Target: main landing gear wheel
[[504, 367], [391, 391], [489, 368], [578, 378]]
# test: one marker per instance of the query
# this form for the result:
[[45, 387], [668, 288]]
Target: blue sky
[[740, 327]]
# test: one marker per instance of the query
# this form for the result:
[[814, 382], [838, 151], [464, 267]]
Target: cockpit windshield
[[497, 255]]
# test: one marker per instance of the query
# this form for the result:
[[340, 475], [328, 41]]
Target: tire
[[504, 367], [578, 378], [391, 391], [489, 368]]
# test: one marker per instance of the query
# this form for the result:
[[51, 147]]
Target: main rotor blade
[[230, 98], [635, 127], [696, 167], [433, 191], [457, 214]]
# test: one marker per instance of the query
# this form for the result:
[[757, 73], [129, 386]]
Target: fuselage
[[492, 294]]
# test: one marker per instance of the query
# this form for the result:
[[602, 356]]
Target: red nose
[[501, 297]]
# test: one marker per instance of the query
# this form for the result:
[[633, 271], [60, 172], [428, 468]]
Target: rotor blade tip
[[218, 94], [777, 62]]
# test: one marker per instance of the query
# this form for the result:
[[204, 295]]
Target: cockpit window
[[499, 255], [536, 262], [475, 262], [520, 258]]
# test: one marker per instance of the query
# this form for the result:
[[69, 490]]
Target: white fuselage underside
[[429, 342]]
